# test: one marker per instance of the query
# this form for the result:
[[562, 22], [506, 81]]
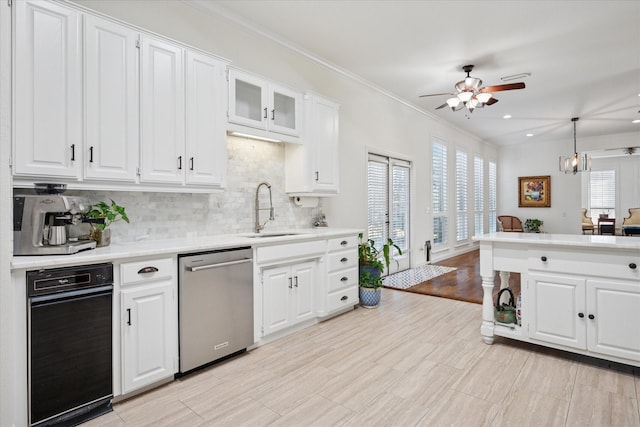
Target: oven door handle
[[221, 264], [78, 293]]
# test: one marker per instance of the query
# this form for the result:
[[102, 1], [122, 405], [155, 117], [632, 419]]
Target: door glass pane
[[400, 206], [285, 110], [249, 101], [377, 202]]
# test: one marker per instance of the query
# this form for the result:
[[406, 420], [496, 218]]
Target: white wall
[[566, 190]]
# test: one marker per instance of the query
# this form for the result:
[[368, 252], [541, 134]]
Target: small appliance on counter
[[40, 222]]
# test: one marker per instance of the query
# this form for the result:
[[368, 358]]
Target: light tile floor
[[414, 361]]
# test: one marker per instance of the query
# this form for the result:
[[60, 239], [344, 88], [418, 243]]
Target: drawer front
[[345, 242], [277, 253], [345, 298], [147, 271], [343, 279], [344, 259], [613, 264]]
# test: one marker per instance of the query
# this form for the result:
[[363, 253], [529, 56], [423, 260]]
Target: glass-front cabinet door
[[284, 114]]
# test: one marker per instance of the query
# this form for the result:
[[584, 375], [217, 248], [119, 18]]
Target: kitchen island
[[579, 293]]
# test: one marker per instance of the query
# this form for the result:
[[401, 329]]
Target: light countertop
[[117, 251], [576, 240]]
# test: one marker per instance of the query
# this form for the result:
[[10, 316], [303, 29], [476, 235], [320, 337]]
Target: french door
[[388, 183]]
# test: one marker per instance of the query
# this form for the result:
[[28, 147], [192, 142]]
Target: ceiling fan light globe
[[453, 103], [473, 103], [465, 96], [484, 97], [472, 83]]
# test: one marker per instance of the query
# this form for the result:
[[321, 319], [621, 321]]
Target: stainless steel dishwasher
[[215, 305]]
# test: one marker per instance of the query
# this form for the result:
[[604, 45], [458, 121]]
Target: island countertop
[[576, 240]]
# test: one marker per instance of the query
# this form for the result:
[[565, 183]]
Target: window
[[602, 193], [462, 219], [388, 201], [478, 196], [439, 194], [493, 199]]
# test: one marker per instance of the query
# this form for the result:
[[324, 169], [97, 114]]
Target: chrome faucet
[[258, 209]]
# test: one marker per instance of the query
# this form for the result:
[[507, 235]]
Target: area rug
[[408, 278]]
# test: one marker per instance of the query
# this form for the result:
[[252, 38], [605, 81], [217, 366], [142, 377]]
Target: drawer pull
[[344, 243], [581, 315], [543, 258], [633, 266], [345, 259], [344, 298], [591, 316], [147, 270], [344, 278]]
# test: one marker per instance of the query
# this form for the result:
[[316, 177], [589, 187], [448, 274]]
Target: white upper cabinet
[[260, 104], [111, 100], [312, 167], [48, 89], [162, 111], [205, 106]]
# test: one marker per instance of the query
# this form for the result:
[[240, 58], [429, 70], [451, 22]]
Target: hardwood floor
[[414, 361], [465, 283]]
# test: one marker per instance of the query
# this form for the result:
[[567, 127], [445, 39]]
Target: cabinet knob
[[581, 315], [543, 258], [344, 278], [344, 298], [591, 316], [344, 243], [344, 259], [633, 266]]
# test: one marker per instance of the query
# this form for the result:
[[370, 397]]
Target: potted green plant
[[371, 266], [532, 225], [104, 215]]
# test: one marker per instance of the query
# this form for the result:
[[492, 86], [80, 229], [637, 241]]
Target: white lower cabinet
[[287, 295], [599, 315], [149, 320]]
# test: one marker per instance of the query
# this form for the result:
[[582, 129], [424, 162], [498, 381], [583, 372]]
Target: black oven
[[70, 344]]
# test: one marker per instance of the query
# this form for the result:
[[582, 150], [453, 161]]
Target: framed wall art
[[534, 191]]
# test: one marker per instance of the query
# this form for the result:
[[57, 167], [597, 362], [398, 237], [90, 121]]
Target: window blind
[[400, 178], [439, 202], [492, 191], [478, 195], [602, 192], [462, 220], [377, 199]]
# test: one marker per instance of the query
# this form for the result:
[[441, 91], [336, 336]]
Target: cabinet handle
[[273, 114], [73, 152], [581, 315], [344, 243], [265, 112], [296, 283], [317, 176], [633, 266], [191, 161], [543, 258], [344, 278], [179, 163], [129, 316], [91, 154], [591, 316], [345, 259], [344, 298], [290, 283], [147, 270]]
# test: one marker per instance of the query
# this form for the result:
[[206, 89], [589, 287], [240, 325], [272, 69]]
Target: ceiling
[[583, 56]]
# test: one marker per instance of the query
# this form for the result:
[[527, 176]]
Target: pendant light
[[576, 163]]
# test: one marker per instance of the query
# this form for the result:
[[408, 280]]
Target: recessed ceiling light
[[507, 116], [636, 121], [529, 134]]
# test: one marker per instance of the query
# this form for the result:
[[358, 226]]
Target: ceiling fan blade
[[500, 88], [491, 101], [435, 94], [442, 106]]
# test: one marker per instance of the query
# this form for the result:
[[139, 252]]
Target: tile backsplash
[[156, 216]]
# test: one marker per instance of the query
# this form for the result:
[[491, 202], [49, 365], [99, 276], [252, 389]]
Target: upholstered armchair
[[631, 224], [587, 223], [509, 223]]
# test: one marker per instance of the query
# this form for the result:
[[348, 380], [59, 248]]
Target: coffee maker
[[40, 224]]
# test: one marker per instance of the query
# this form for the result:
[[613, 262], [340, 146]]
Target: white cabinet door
[[613, 318], [284, 110], [162, 104], [247, 100], [148, 334], [277, 289], [557, 312], [48, 90], [303, 291], [111, 100], [206, 135]]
